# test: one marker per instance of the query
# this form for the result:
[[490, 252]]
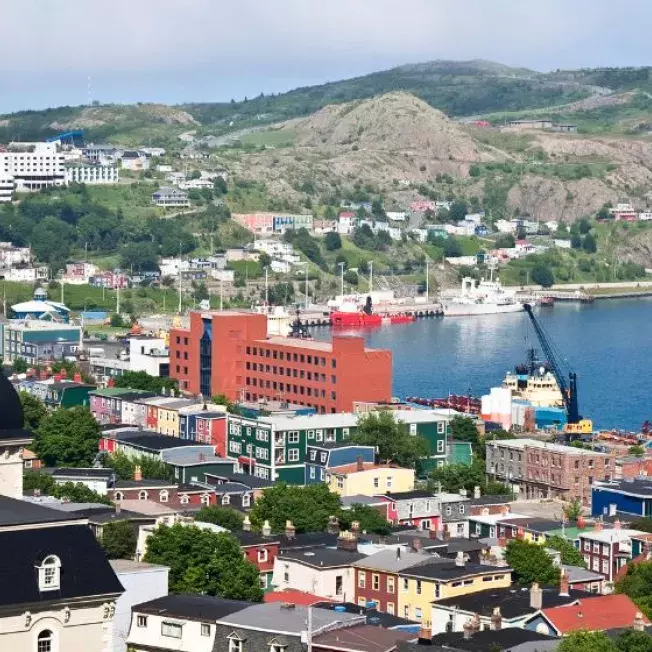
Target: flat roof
[[520, 444], [193, 607], [393, 560], [446, 569], [322, 557], [311, 421], [153, 441], [131, 566], [24, 512], [611, 535], [634, 487]]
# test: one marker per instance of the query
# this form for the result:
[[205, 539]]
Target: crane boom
[[568, 387]]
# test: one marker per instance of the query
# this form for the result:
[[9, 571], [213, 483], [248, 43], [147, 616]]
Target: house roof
[[503, 639], [145, 484], [633, 487], [347, 469], [321, 557], [77, 550], [374, 617], [393, 561], [275, 617], [532, 523], [192, 607], [152, 441], [293, 597], [446, 570], [577, 574], [23, 512], [254, 538], [128, 566], [514, 602], [408, 495], [361, 638], [594, 614], [82, 473]]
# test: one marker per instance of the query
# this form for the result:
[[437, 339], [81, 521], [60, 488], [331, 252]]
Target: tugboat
[[535, 382], [299, 330]]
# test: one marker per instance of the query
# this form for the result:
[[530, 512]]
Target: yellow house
[[421, 585], [168, 419], [368, 479]]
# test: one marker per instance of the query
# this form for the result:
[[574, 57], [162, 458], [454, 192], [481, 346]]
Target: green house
[[59, 394]]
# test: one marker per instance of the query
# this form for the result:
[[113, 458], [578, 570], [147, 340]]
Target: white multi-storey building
[[6, 186], [92, 174], [33, 166]]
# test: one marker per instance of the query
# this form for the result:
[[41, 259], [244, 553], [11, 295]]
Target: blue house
[[632, 497], [324, 455]]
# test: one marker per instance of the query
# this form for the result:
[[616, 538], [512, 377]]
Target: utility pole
[[117, 300], [179, 278], [427, 282], [62, 284], [341, 281], [221, 293], [371, 276], [306, 270], [309, 633], [266, 287]]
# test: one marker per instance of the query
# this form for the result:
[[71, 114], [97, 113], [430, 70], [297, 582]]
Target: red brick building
[[165, 493], [229, 353]]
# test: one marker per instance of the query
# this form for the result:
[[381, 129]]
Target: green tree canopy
[[393, 439], [632, 641], [570, 555], [67, 438], [584, 641], [143, 381], [151, 469], [542, 274], [332, 241], [224, 516], [370, 519], [34, 410], [309, 507], [119, 540], [75, 492], [202, 561], [637, 584], [530, 563]]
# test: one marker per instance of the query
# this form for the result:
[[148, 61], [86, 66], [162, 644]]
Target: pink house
[[255, 222]]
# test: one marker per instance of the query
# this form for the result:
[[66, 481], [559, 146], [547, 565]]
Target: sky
[[176, 51]]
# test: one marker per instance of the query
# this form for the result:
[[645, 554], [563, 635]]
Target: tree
[[46, 486], [583, 641], [67, 438], [542, 274], [589, 243], [202, 561], [570, 555], [223, 516], [370, 519], [351, 277], [638, 450], [151, 469], [33, 411], [309, 507], [643, 524], [143, 381], [332, 241], [219, 186], [464, 429], [531, 563], [583, 226], [632, 641], [117, 321], [573, 510], [576, 241], [458, 211], [19, 366], [119, 540], [392, 439]]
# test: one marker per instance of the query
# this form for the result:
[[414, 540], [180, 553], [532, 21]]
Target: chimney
[[463, 493], [290, 530], [246, 524], [468, 630], [417, 544], [477, 492], [398, 552], [267, 529], [617, 524], [347, 541], [138, 474], [333, 525], [536, 596], [639, 623], [581, 522], [425, 633], [563, 583], [447, 534], [355, 528], [459, 559], [496, 620], [598, 526], [77, 378], [360, 464]]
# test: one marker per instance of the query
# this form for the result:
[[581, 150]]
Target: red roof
[[345, 469], [594, 614], [294, 597]]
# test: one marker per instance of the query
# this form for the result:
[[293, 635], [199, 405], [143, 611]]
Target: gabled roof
[[192, 607], [599, 613], [83, 473], [23, 512], [362, 638], [504, 639], [321, 558], [85, 570], [293, 597], [393, 561]]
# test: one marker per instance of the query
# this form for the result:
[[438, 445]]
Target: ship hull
[[470, 310]]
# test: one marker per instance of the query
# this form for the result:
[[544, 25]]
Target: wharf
[[320, 317]]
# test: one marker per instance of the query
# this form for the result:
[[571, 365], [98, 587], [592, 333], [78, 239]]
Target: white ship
[[483, 298]]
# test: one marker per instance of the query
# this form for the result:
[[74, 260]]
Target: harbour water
[[608, 343]]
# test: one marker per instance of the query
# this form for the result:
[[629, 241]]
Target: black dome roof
[[11, 409]]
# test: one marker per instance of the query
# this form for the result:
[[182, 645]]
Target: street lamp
[[371, 276], [341, 280]]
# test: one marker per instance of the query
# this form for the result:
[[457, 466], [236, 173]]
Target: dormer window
[[49, 574]]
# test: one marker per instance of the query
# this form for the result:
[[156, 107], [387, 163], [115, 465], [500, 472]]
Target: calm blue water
[[608, 343]]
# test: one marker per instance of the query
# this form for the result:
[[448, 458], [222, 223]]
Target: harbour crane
[[575, 424]]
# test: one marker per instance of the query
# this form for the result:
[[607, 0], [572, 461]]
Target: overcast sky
[[206, 50]]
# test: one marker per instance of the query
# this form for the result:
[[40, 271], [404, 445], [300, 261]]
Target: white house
[[396, 216], [134, 161], [93, 175], [273, 248], [32, 166], [167, 197], [346, 222]]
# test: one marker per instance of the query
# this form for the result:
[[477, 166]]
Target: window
[[184, 499], [311, 434], [293, 455], [605, 567], [405, 585], [171, 630], [142, 495], [45, 641], [390, 584], [362, 601], [293, 437], [338, 584], [587, 545], [205, 629], [596, 565], [376, 483], [246, 500], [413, 428], [49, 574], [441, 427], [417, 613], [440, 446], [262, 554], [418, 587], [163, 496], [340, 482], [226, 500], [375, 582], [235, 643], [312, 472], [277, 647], [118, 495], [461, 509], [141, 621], [389, 482], [596, 548]]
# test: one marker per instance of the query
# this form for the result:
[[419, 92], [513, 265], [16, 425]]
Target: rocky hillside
[[399, 146]]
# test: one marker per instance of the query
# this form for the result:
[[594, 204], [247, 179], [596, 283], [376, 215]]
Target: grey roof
[[125, 566], [510, 639], [144, 484], [445, 569], [23, 512], [358, 499], [408, 495], [193, 607], [83, 473], [389, 560], [322, 557], [191, 456], [577, 574], [274, 617], [642, 488]]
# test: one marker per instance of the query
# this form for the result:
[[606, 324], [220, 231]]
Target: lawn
[[269, 138]]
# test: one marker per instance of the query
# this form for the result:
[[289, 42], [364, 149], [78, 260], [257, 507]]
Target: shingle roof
[[594, 614], [193, 607], [374, 617], [85, 570], [23, 512], [293, 597], [390, 561], [82, 473], [445, 569], [322, 557], [503, 639], [362, 638]]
